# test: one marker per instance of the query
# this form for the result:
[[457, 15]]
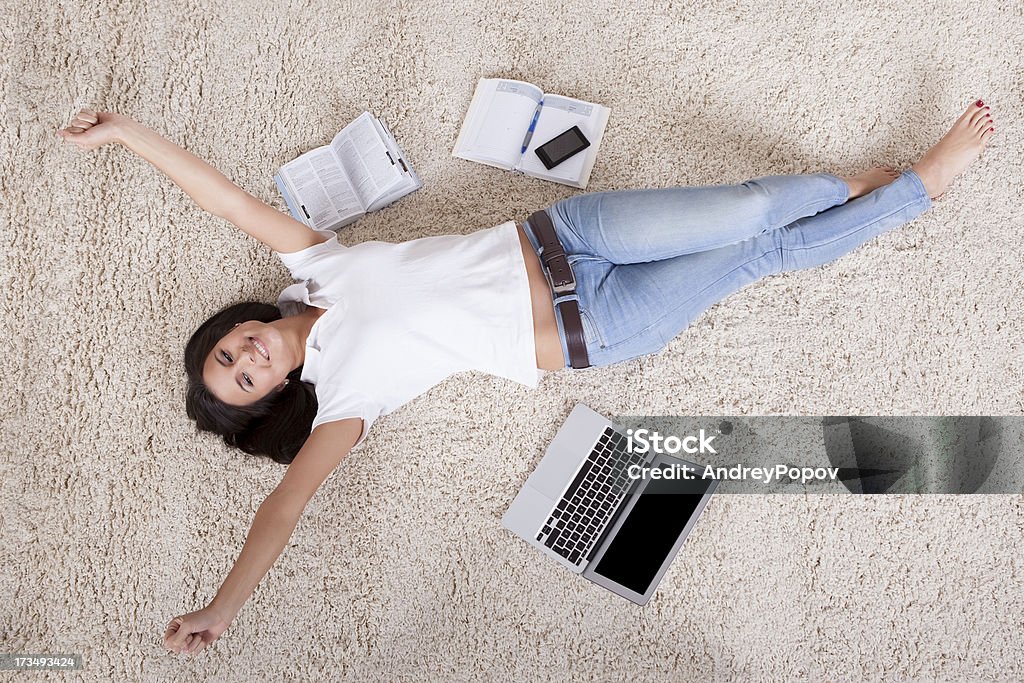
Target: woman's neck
[[298, 327]]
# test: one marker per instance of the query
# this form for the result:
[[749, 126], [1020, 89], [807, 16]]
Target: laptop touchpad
[[556, 470]]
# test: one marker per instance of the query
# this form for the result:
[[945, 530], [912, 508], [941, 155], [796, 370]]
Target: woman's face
[[239, 372]]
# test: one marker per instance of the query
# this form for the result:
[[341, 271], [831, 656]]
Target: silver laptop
[[584, 507]]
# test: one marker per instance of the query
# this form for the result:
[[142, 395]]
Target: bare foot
[[870, 180], [956, 150]]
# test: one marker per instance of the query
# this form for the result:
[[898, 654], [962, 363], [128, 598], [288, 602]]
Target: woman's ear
[[282, 385]]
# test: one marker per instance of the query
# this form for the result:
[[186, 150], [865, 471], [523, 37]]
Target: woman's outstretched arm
[[207, 186], [271, 528]]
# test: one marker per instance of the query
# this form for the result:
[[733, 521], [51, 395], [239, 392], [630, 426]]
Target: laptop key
[[552, 537], [580, 476]]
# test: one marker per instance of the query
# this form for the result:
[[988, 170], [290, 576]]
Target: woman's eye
[[246, 378], [226, 356]]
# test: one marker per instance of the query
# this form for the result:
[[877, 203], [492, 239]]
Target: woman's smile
[[260, 347]]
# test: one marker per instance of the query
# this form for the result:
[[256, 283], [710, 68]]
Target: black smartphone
[[555, 151]]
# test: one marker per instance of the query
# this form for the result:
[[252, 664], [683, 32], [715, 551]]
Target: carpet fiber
[[116, 515]]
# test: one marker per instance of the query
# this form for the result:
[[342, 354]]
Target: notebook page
[[558, 115], [498, 119]]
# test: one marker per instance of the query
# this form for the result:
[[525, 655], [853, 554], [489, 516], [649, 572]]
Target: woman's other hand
[[90, 129], [190, 633]]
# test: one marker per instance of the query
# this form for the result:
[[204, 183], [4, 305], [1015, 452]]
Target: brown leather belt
[[563, 284]]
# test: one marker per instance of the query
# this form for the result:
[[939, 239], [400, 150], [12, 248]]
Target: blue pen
[[533, 126]]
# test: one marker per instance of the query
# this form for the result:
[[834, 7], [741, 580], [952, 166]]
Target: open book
[[499, 118], [362, 170]]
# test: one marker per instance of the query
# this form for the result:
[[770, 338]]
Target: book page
[[497, 121], [321, 188], [558, 115], [395, 154], [409, 181], [365, 158]]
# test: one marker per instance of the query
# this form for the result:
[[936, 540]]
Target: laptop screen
[[647, 535]]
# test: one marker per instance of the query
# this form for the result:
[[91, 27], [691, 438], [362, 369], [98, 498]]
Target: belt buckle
[[562, 287]]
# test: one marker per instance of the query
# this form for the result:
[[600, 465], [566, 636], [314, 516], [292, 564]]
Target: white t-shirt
[[403, 317]]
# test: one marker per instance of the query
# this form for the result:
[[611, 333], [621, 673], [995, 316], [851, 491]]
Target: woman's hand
[[90, 129], [190, 633]]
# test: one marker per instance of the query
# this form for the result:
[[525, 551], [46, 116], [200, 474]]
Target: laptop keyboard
[[576, 522]]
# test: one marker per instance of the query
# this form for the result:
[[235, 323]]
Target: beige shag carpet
[[116, 515]]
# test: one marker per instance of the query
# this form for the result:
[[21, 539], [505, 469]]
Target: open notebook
[[499, 118]]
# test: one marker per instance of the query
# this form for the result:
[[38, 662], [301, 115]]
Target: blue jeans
[[648, 262]]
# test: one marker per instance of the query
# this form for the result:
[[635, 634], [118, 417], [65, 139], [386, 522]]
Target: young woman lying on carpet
[[370, 327]]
